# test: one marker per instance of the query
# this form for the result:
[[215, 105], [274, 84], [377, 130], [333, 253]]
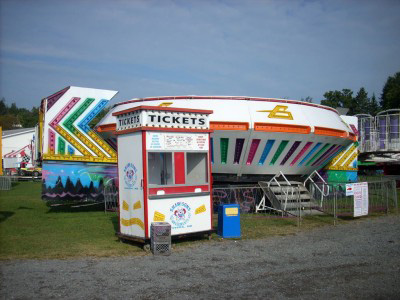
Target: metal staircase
[[288, 197]]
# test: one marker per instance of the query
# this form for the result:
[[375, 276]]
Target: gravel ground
[[358, 260]]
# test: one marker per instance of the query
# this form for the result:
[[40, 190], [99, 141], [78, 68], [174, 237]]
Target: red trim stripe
[[226, 98], [162, 129], [163, 108], [178, 189], [145, 200]]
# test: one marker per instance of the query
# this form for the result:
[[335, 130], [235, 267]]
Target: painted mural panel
[[76, 181]]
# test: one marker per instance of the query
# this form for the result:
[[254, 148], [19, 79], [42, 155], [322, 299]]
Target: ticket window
[[177, 168]]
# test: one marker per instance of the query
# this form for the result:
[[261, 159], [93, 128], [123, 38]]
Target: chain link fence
[[110, 196], [382, 197], [5, 183]]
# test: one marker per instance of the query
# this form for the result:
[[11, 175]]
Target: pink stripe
[[64, 111], [324, 157], [298, 156], [52, 140]]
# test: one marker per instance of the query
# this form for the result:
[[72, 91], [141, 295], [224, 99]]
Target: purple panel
[[325, 155], [382, 132], [394, 127], [238, 150], [367, 128], [290, 152], [51, 100]]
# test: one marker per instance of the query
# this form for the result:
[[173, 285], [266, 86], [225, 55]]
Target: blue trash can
[[229, 221]]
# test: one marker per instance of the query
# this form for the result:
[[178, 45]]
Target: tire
[[35, 174], [21, 173]]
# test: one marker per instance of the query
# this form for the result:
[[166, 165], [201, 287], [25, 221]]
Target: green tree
[[390, 97], [361, 102], [8, 121], [373, 106], [343, 98], [13, 109], [3, 107]]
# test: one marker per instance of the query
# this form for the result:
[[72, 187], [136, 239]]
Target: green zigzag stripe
[[69, 122], [61, 145]]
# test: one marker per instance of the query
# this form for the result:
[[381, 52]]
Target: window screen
[[196, 168], [160, 168]]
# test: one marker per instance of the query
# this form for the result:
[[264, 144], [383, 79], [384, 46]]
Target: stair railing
[[284, 190], [325, 187]]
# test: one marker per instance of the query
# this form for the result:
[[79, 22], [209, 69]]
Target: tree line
[[13, 117], [361, 103]]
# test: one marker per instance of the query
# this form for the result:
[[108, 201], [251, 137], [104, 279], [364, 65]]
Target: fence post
[[387, 199], [334, 207], [395, 196]]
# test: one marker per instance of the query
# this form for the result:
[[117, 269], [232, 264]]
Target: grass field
[[29, 228]]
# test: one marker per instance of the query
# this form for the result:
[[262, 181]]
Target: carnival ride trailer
[[258, 137]]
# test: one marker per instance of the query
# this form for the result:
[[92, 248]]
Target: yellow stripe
[[158, 217], [133, 221], [137, 205], [200, 209]]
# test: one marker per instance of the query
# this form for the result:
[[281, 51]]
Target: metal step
[[282, 198], [277, 189], [306, 212], [304, 205]]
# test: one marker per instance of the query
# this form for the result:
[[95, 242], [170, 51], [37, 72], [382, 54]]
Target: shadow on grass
[[115, 221], [4, 215], [75, 207]]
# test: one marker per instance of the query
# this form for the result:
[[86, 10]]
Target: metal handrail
[[324, 184], [283, 191]]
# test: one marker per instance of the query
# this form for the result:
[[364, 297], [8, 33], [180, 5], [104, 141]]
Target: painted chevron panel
[[69, 124], [84, 124], [71, 137], [344, 160]]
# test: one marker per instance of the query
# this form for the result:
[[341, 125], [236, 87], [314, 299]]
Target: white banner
[[360, 199]]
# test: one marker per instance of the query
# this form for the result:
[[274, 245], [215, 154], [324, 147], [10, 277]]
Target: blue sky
[[282, 49]]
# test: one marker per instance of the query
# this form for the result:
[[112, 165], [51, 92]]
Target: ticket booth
[[164, 170]]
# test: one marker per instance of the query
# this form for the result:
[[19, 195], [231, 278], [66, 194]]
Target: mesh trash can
[[160, 236]]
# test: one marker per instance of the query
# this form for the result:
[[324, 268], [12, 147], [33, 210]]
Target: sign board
[[177, 141], [189, 119], [350, 189], [360, 199]]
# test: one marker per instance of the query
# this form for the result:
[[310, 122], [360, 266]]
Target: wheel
[[21, 173], [146, 247], [35, 174]]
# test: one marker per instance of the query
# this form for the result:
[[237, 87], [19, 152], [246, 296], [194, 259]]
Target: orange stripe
[[330, 132], [352, 136], [106, 127], [272, 127], [215, 125]]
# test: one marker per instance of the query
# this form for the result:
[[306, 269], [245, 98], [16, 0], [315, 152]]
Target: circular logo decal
[[130, 175], [180, 214]]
